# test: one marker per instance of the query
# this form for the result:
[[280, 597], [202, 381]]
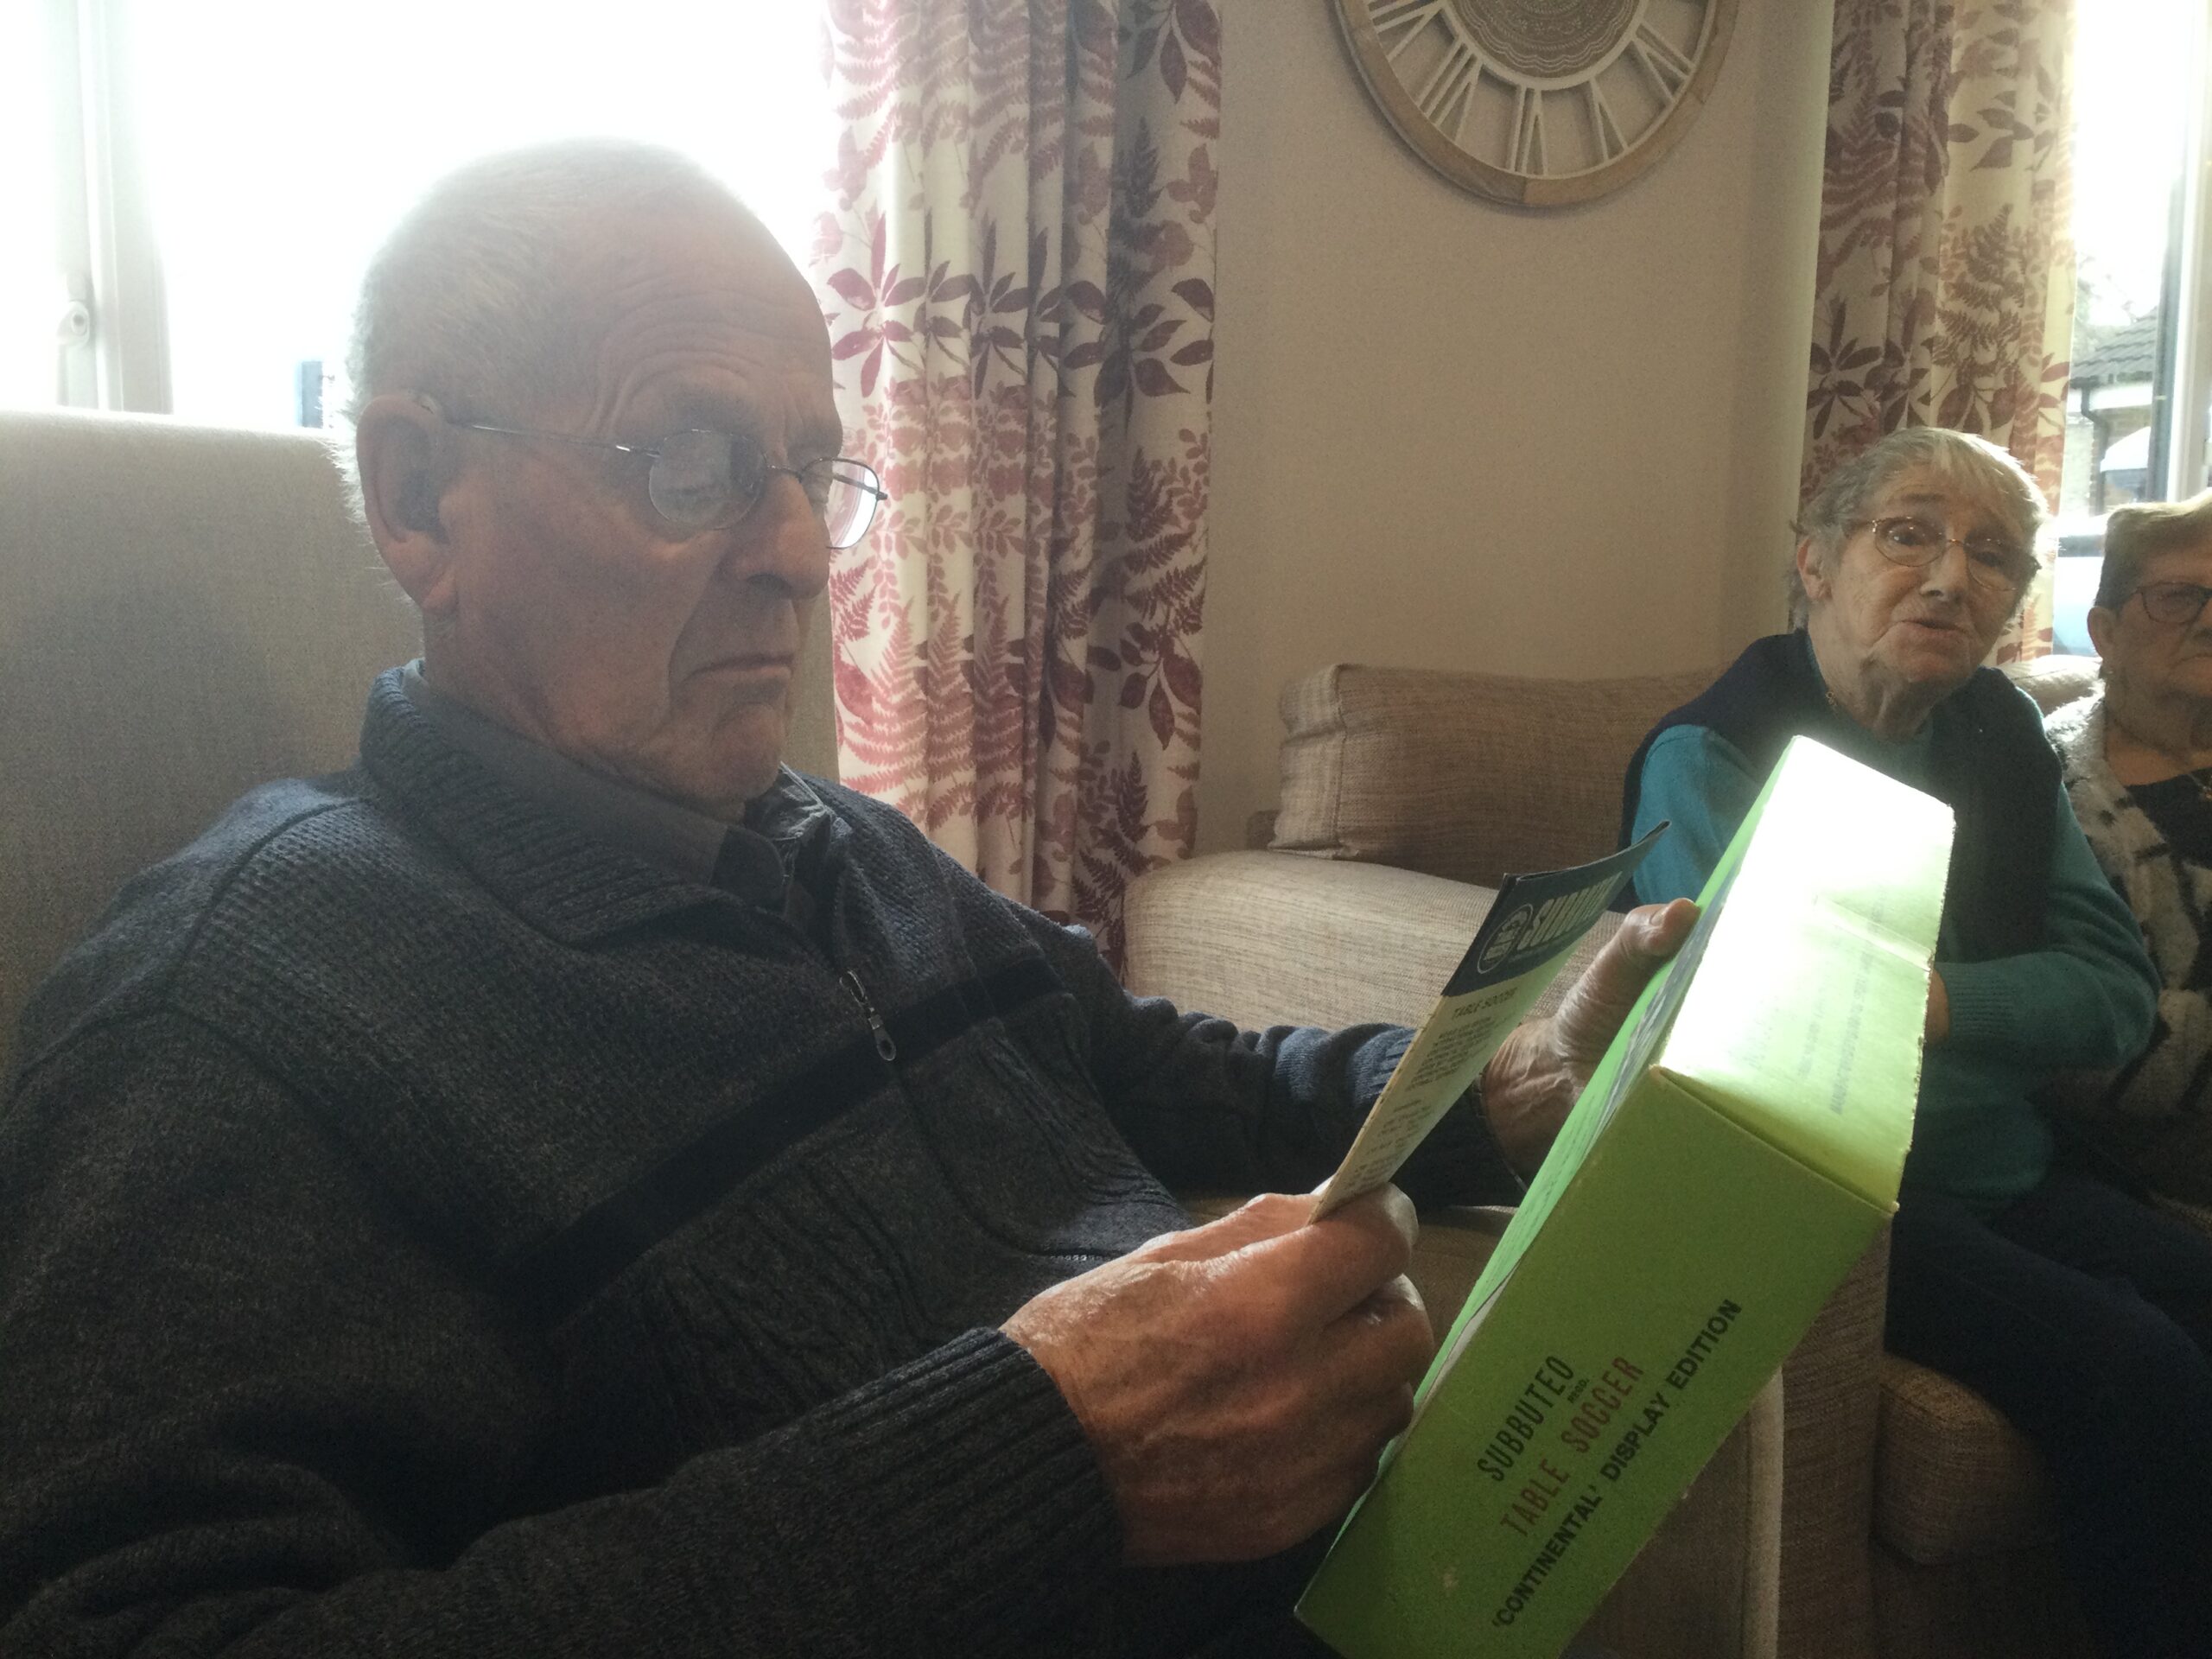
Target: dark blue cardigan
[[423, 1227]]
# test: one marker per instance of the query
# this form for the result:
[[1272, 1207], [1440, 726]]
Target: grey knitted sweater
[[426, 1230], [2153, 1117]]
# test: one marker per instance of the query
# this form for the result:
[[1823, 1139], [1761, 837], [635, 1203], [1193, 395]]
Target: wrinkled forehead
[[703, 322], [1955, 498], [2191, 562]]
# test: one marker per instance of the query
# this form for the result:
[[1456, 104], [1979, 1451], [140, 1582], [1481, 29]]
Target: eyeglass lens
[[700, 479], [2174, 601], [1991, 560], [845, 501]]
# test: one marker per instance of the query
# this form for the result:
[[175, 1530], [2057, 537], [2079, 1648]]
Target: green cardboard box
[[1735, 1153]]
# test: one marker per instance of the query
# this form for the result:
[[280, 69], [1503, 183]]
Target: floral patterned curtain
[[1020, 281], [1945, 292]]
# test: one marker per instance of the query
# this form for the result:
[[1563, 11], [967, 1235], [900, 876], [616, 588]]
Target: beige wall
[[1453, 434]]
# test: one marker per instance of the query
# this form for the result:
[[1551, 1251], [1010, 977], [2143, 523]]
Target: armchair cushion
[[1468, 776], [1265, 940], [1953, 1478], [2053, 682]]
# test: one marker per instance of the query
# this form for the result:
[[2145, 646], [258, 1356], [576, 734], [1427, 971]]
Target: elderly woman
[[2137, 756], [2082, 1314]]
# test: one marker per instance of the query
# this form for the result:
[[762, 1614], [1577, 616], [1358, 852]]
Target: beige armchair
[[1913, 1519]]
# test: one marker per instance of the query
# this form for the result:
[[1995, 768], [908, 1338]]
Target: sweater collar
[[538, 854]]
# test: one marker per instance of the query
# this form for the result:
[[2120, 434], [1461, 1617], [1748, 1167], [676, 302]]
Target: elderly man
[[569, 1185]]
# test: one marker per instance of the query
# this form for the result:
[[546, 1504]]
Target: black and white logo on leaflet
[[1505, 941], [1563, 917]]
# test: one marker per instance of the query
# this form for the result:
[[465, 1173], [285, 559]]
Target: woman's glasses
[[1994, 562], [2178, 604]]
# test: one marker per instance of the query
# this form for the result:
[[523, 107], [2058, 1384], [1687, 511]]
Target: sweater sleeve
[[1208, 1106], [245, 1409], [1701, 787], [2087, 999]]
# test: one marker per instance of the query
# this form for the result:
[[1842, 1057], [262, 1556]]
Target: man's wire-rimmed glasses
[[2174, 603], [1995, 563], [700, 480]]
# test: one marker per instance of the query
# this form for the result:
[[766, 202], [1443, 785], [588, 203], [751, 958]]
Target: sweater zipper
[[887, 1050]]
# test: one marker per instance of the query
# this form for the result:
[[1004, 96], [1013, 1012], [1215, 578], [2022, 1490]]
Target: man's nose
[[782, 539]]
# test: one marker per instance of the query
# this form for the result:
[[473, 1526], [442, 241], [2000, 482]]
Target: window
[[2138, 404], [32, 297], [275, 141]]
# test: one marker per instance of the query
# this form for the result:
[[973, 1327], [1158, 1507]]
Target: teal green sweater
[[2085, 999]]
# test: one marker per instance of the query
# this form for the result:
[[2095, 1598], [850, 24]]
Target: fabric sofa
[[1914, 1519], [186, 612]]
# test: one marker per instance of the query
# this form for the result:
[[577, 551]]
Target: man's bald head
[[546, 335], [487, 295]]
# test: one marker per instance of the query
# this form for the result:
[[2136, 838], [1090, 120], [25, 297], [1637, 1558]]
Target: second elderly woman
[[2137, 755], [2081, 1314]]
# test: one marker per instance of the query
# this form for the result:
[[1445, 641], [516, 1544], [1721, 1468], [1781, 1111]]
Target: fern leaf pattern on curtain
[[1945, 288], [1019, 274]]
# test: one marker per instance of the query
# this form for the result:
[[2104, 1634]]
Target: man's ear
[[1810, 571], [404, 452], [2104, 628]]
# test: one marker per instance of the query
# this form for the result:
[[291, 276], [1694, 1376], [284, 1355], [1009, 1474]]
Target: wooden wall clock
[[1540, 103]]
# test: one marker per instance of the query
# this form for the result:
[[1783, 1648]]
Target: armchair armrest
[[1281, 938]]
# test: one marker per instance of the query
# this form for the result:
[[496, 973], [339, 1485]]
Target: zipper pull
[[884, 1046]]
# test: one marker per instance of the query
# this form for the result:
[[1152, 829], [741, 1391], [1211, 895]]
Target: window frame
[[113, 353], [2181, 394]]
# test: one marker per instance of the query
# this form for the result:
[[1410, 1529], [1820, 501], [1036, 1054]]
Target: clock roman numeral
[[1660, 60], [1449, 90], [1608, 130], [1525, 155], [1404, 18]]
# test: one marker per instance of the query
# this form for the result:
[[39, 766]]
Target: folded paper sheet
[[1523, 941]]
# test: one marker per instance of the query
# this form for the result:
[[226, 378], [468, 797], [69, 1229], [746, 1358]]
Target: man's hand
[[1238, 1381], [1536, 1076], [1939, 1008]]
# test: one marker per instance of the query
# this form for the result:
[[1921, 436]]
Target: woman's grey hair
[[2133, 533], [472, 299], [1986, 472]]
